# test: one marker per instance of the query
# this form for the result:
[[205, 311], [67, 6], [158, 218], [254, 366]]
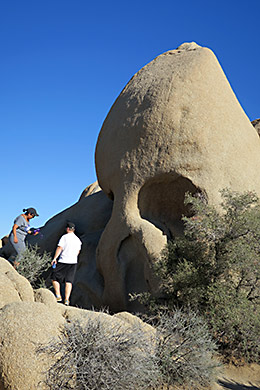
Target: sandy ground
[[239, 378]]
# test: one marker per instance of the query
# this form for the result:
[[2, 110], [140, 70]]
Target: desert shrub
[[186, 353], [235, 322], [33, 264], [101, 356], [107, 356], [215, 269]]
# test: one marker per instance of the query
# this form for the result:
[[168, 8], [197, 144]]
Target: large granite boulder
[[24, 327], [176, 127], [13, 287], [90, 215]]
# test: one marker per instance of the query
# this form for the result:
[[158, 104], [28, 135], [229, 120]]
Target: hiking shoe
[[66, 302], [58, 299]]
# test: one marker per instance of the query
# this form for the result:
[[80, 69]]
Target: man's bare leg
[[68, 288], [56, 286]]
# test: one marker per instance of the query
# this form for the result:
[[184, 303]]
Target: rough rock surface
[[176, 127], [13, 287], [5, 240], [90, 215], [23, 327], [7, 250], [89, 190], [26, 323], [256, 124], [239, 378]]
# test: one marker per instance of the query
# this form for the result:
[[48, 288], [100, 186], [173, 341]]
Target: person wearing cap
[[20, 229], [65, 260]]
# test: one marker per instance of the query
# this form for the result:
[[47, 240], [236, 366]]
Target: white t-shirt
[[71, 245]]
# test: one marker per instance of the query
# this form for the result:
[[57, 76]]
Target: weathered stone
[[3, 241], [89, 190], [176, 127], [13, 287], [133, 321], [42, 295], [7, 250], [24, 327], [239, 377], [256, 124], [30, 319], [90, 216]]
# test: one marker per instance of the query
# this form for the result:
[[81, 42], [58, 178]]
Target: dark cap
[[32, 210], [71, 225]]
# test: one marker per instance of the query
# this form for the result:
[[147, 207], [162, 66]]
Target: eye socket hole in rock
[[161, 202]]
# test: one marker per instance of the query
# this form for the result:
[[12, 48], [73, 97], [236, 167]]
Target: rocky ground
[[239, 378]]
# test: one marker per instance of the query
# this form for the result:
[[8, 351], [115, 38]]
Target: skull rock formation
[[176, 127]]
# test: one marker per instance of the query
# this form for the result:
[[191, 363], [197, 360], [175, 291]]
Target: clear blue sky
[[64, 62]]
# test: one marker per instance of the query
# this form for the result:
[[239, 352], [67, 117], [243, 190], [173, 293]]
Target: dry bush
[[32, 265], [186, 353], [101, 356], [104, 356]]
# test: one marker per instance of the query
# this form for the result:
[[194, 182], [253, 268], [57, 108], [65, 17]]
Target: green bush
[[215, 268], [32, 265]]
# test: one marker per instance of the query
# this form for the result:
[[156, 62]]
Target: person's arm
[[14, 233], [57, 254]]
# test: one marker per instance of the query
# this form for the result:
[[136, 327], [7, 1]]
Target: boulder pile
[[32, 318]]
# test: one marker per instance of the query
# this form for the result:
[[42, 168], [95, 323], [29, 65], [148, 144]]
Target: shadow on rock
[[227, 384]]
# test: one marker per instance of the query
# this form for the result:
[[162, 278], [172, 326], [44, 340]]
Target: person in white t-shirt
[[65, 261]]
